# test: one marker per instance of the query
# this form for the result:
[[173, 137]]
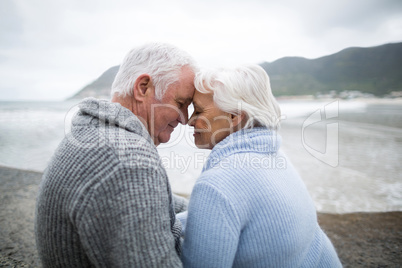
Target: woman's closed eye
[[197, 112]]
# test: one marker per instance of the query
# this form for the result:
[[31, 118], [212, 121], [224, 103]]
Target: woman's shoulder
[[250, 171], [229, 176], [240, 164], [224, 170]]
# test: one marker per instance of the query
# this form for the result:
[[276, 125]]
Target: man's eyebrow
[[185, 99]]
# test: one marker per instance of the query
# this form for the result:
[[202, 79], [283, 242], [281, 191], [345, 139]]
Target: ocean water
[[350, 162], [348, 153]]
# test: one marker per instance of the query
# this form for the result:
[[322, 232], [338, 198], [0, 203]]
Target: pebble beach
[[361, 239]]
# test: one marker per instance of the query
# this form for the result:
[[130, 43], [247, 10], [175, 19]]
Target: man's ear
[[142, 87], [237, 120]]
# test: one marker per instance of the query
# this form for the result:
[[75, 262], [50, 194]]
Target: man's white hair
[[245, 89], [163, 62]]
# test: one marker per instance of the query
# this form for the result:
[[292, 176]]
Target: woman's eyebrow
[[195, 104]]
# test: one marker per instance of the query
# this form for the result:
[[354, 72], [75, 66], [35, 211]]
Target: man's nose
[[183, 116]]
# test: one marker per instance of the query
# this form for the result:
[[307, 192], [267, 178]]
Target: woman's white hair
[[163, 62], [245, 89]]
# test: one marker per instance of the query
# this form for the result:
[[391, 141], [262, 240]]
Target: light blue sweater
[[249, 208]]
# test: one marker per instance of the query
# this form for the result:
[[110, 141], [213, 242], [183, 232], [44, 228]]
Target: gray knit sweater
[[105, 199]]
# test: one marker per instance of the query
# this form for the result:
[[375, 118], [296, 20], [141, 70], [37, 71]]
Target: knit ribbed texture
[[249, 208], [105, 199]]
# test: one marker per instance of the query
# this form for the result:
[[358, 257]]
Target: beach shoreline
[[392, 101], [361, 239]]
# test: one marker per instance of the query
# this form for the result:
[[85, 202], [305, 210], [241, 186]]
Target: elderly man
[[105, 199]]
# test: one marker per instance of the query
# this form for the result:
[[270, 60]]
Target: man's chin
[[163, 138]]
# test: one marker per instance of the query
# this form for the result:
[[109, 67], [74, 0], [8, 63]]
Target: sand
[[361, 239]]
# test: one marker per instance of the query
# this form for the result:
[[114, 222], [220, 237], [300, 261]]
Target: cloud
[[358, 15], [52, 49], [10, 24]]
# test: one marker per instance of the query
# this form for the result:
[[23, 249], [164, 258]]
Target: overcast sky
[[50, 49]]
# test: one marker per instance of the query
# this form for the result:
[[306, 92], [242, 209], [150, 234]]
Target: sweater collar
[[253, 140], [111, 113]]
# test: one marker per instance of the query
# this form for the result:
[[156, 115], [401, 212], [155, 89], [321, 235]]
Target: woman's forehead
[[201, 99]]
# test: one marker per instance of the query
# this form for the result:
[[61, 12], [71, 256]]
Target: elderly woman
[[249, 208]]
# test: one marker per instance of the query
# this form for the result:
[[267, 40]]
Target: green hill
[[375, 70], [99, 88]]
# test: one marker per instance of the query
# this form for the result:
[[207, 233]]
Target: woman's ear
[[142, 87], [237, 120]]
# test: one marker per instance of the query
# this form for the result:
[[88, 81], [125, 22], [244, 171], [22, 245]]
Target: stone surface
[[361, 239]]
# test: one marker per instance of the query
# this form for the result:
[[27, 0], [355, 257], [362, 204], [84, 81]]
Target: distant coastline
[[350, 73], [371, 100]]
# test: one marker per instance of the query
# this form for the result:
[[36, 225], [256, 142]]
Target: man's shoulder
[[121, 142], [130, 146]]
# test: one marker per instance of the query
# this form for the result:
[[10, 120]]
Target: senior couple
[[101, 205]]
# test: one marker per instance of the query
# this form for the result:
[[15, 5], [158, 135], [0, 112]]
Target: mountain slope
[[375, 70], [100, 87]]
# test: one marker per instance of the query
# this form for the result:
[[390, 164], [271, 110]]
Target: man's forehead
[[185, 94]]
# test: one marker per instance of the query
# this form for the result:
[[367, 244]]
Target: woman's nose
[[191, 120]]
